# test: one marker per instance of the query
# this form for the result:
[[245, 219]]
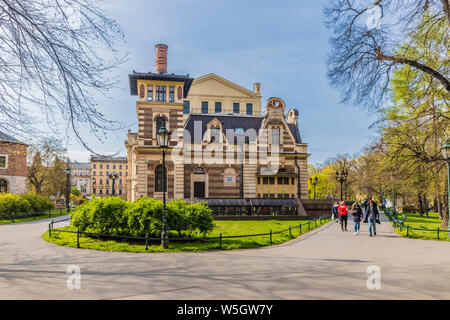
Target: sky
[[281, 44]]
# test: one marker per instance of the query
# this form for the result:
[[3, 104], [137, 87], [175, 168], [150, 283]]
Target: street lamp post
[[68, 187], [446, 153], [341, 177], [163, 136], [314, 183], [113, 176]]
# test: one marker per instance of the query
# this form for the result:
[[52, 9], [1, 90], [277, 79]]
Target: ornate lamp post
[[113, 176], [314, 183], [341, 177], [163, 136], [68, 187], [446, 153]]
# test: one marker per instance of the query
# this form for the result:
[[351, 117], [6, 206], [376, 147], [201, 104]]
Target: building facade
[[221, 147], [81, 177], [13, 164], [101, 182]]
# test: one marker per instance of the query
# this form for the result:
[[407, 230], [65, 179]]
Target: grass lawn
[[414, 220], [227, 228], [53, 213]]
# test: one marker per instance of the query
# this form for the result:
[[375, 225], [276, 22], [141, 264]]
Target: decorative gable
[[213, 85]]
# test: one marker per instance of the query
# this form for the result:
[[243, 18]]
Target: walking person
[[371, 216], [334, 211], [343, 212], [356, 213]]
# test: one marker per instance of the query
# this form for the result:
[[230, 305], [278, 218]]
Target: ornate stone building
[[13, 164], [80, 176], [221, 145], [101, 184]]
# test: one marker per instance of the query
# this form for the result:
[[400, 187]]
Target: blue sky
[[281, 44]]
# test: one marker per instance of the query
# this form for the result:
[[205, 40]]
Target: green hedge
[[113, 215], [12, 204]]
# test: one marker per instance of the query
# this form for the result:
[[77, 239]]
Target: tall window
[[150, 93], [249, 108], [218, 106], [204, 106], [236, 107], [171, 94], [160, 177], [3, 162], [160, 93], [187, 107], [275, 136], [160, 121]]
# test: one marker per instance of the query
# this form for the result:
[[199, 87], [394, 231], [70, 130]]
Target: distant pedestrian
[[356, 213], [343, 212], [372, 215], [334, 211]]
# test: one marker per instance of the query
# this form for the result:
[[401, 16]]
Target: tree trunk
[[444, 224], [419, 203], [439, 205], [425, 204]]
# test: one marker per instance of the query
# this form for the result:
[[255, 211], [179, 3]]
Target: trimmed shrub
[[101, 215], [13, 204], [38, 204], [113, 215]]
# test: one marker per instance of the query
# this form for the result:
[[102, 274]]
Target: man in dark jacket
[[371, 215]]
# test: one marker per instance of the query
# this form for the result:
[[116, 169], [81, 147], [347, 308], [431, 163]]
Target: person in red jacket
[[343, 213]]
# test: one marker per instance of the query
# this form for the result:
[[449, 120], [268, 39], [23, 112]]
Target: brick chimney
[[161, 58]]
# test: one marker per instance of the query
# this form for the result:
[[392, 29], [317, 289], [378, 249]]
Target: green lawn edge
[[70, 239], [53, 214], [414, 220]]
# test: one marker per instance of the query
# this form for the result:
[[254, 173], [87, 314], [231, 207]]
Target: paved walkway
[[326, 264]]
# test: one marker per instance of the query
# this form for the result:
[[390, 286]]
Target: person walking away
[[334, 211], [356, 213], [343, 212], [371, 216]]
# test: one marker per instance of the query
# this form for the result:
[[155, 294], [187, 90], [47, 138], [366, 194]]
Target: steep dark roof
[[228, 122], [7, 138], [295, 132], [233, 122], [158, 76]]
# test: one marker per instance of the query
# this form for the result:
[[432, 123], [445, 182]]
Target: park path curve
[[325, 264]]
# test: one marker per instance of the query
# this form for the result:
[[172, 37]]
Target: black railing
[[311, 223], [400, 223]]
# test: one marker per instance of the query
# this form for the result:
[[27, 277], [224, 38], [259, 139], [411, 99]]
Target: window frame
[[6, 161], [236, 106], [205, 104]]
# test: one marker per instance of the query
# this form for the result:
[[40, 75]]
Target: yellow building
[[101, 183], [221, 145]]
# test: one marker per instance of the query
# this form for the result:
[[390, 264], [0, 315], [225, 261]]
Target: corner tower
[[160, 100]]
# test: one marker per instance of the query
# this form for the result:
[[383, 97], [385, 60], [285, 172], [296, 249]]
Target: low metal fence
[[33, 215], [400, 223], [309, 224]]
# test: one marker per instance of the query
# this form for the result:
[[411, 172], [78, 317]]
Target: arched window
[[282, 170], [160, 121], [199, 170], [160, 177], [3, 185]]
